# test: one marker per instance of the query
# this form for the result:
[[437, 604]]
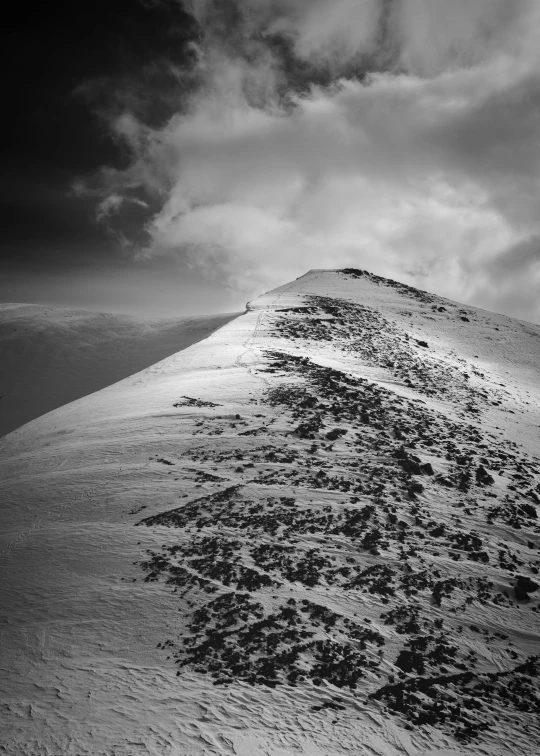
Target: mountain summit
[[313, 532]]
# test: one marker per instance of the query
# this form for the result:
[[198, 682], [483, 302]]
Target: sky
[[175, 157]]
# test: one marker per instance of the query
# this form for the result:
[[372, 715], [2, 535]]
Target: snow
[[91, 638], [51, 355]]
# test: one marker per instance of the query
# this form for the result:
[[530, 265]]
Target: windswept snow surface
[[50, 356], [314, 532]]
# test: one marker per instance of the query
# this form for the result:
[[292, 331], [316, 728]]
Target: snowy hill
[[50, 356], [313, 532]]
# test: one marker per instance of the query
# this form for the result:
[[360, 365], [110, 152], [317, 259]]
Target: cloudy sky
[[177, 156]]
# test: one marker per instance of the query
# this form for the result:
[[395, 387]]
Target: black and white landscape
[[308, 525], [313, 532], [54, 355]]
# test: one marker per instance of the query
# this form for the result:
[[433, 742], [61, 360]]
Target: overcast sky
[[182, 156]]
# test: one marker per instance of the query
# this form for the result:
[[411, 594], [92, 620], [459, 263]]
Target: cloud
[[511, 282], [421, 37], [400, 137]]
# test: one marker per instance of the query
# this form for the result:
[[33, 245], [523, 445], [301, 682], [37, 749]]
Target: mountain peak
[[315, 531]]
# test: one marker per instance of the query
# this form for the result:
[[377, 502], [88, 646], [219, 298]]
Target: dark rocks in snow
[[188, 401], [413, 464], [336, 705], [336, 433], [310, 428], [483, 477], [345, 524], [460, 699], [415, 488], [524, 586]]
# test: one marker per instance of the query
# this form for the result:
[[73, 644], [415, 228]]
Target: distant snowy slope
[[314, 532], [50, 356]]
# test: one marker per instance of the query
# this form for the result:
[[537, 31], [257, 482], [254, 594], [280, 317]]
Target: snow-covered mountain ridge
[[313, 532], [50, 356]]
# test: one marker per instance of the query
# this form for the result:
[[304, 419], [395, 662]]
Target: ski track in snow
[[313, 532]]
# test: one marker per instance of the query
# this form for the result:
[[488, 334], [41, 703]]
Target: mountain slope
[[313, 532], [51, 355]]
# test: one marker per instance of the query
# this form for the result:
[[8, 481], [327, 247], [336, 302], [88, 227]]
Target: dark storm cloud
[[397, 136]]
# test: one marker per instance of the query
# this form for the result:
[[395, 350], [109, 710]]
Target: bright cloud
[[401, 137]]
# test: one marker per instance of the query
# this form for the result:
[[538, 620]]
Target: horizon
[[137, 313]]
